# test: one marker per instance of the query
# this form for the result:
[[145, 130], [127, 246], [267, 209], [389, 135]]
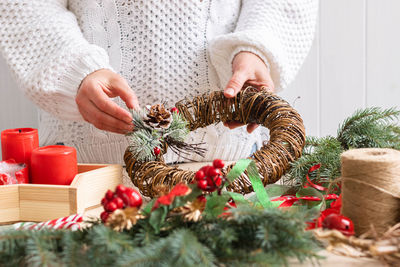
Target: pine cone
[[120, 219], [158, 117]]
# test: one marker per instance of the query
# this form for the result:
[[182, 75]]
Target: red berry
[[174, 109], [104, 201], [111, 206], [132, 198], [104, 216], [157, 151], [213, 172], [202, 198], [199, 175], [210, 185], [202, 184], [109, 195], [118, 202], [217, 180], [125, 199], [120, 189], [205, 169], [339, 222], [218, 163], [210, 181]]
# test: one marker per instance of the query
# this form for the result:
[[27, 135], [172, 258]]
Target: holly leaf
[[157, 218], [146, 210], [215, 205]]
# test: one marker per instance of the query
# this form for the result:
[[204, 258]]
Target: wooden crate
[[36, 202]]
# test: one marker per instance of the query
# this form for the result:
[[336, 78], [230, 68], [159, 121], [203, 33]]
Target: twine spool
[[371, 188]]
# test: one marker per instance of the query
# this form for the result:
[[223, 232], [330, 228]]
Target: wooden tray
[[36, 202]]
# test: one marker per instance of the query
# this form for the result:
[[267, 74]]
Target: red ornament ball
[[340, 223], [131, 198]]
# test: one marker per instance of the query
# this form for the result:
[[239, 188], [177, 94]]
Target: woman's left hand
[[250, 69]]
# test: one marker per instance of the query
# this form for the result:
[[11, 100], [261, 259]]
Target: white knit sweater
[[165, 49]]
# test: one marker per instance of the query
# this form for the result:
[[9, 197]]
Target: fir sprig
[[145, 138], [370, 127], [253, 235]]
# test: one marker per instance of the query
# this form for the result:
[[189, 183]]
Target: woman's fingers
[[235, 84], [103, 121], [233, 124], [105, 104], [248, 69], [95, 104], [251, 127], [121, 88]]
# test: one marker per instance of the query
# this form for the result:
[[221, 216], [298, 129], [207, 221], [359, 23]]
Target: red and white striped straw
[[71, 222]]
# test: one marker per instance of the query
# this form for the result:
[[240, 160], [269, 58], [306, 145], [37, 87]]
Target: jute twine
[[371, 188], [287, 138]]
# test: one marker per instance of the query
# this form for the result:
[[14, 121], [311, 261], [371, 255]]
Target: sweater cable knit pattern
[[165, 49]]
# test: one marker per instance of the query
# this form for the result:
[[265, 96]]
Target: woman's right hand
[[96, 107]]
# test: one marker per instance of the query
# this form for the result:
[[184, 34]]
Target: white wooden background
[[354, 63]]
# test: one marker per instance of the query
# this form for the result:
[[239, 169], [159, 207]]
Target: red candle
[[18, 144], [54, 165]]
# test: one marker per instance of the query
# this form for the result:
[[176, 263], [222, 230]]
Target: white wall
[[354, 63]]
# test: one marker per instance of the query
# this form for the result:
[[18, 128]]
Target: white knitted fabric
[[165, 49]]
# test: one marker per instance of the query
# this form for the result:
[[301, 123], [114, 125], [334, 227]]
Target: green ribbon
[[254, 178]]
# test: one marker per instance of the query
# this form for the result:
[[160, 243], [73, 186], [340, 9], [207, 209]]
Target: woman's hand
[[250, 69], [97, 108]]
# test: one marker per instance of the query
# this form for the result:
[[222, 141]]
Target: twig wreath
[[287, 138]]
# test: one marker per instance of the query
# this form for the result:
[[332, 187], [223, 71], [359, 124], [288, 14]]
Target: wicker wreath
[[287, 138]]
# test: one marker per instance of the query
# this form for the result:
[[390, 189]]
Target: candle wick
[[19, 130]]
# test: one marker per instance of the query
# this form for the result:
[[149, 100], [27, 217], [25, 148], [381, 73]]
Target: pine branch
[[73, 249], [325, 151], [39, 252], [137, 119], [142, 143], [252, 235], [178, 130], [370, 127], [181, 248]]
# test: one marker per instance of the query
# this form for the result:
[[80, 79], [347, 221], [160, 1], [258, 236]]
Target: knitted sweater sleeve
[[279, 31], [47, 53]]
